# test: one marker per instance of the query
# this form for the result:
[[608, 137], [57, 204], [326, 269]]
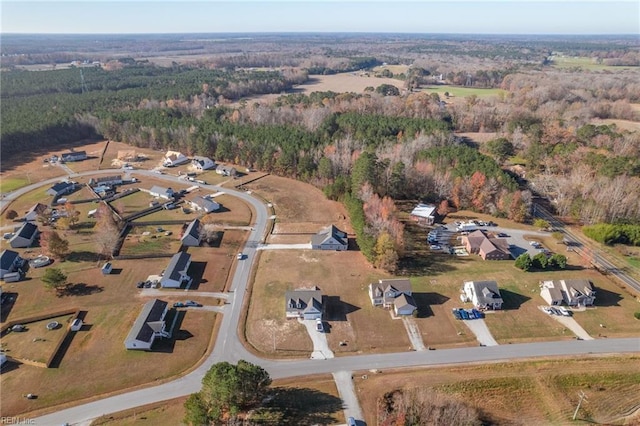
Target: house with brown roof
[[393, 294], [577, 292], [487, 246]]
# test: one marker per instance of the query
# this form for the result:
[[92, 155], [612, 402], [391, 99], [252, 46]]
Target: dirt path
[[480, 329], [414, 334]]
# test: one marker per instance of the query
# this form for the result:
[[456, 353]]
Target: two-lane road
[[228, 346]]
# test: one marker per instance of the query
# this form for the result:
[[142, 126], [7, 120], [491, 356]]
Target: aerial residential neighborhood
[[361, 228]]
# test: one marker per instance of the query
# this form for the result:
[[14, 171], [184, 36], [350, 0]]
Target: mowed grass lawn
[[541, 392], [96, 361]]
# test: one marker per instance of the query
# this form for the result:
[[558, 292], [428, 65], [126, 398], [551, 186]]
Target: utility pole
[[582, 396]]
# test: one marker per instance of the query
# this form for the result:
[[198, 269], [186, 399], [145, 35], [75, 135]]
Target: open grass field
[[154, 243], [461, 92], [541, 392], [589, 64], [38, 342]]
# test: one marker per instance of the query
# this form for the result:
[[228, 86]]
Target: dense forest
[[367, 149]]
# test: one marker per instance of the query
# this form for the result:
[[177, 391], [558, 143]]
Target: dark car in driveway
[[192, 303]]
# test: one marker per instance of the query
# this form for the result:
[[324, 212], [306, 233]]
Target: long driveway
[[229, 348]]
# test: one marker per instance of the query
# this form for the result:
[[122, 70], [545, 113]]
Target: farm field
[[541, 392], [587, 64], [461, 92]]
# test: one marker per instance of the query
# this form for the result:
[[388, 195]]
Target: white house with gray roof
[[10, 262], [192, 235], [578, 292], [330, 238], [161, 192], [483, 294], [176, 272], [304, 303], [393, 294], [25, 236], [148, 326], [203, 204]]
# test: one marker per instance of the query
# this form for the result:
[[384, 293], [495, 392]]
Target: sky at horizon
[[240, 16]]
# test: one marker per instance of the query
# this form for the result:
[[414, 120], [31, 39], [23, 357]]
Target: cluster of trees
[[609, 233], [541, 261], [229, 391], [423, 406]]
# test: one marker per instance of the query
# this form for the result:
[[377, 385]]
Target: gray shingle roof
[[147, 321], [177, 264]]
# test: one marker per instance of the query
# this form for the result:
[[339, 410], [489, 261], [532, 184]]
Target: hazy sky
[[417, 16]]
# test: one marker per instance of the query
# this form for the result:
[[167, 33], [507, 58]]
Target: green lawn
[[11, 184], [461, 92]]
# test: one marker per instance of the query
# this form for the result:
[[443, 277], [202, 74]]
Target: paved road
[[585, 248], [229, 348]]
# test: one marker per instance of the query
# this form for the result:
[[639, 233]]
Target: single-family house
[[37, 210], [106, 181], [61, 188], [176, 272], [330, 238], [304, 303], [192, 236], [483, 294], [148, 326], [203, 204], [203, 163], [424, 214], [161, 192], [226, 170], [174, 158], [72, 156], [578, 292], [10, 262], [393, 294], [487, 246], [25, 236]]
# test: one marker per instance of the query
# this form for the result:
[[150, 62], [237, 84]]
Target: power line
[[83, 85]]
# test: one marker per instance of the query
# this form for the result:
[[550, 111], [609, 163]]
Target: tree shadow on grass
[[83, 256], [304, 406], [512, 300], [81, 289]]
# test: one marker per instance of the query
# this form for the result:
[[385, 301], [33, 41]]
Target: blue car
[[456, 313], [477, 313], [465, 314]]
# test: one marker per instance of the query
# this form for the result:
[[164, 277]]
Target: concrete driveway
[[304, 246], [414, 334], [480, 329], [573, 325], [320, 345], [347, 392]]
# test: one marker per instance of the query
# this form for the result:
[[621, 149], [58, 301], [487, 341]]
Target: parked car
[[319, 325], [547, 310], [192, 303], [178, 305], [435, 247], [140, 284], [502, 235], [240, 256], [464, 314], [456, 314], [18, 327], [351, 422], [477, 313], [564, 311]]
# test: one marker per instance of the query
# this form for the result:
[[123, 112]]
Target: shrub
[[524, 262], [637, 315]]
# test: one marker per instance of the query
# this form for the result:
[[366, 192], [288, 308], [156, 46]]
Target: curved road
[[229, 348]]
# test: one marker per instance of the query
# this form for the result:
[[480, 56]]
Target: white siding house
[[148, 326], [483, 294], [203, 163], [304, 303], [176, 272], [330, 238]]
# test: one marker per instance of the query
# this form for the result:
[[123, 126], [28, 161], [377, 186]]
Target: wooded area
[[548, 121]]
